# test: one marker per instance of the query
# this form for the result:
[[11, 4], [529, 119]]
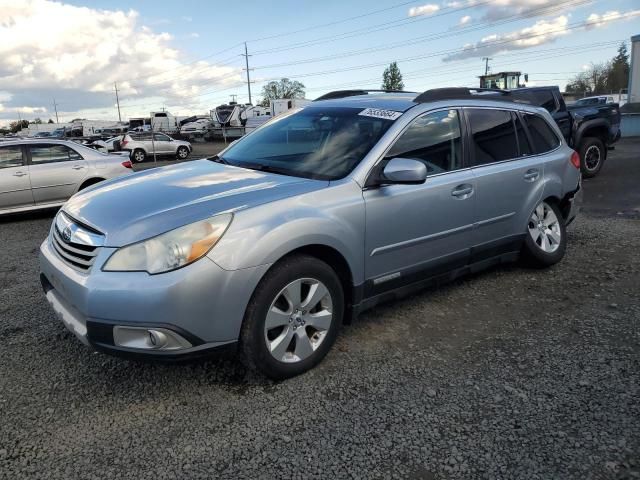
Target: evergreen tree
[[392, 78], [618, 75]]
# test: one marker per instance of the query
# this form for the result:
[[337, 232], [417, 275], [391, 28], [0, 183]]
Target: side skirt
[[480, 258]]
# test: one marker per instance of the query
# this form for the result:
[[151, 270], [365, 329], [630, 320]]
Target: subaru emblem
[[66, 234]]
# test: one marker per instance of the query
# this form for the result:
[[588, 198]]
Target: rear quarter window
[[542, 135]]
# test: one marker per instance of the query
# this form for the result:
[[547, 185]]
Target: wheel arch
[[597, 128], [338, 263], [90, 181]]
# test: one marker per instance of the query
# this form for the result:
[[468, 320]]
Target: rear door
[[15, 188], [56, 172], [508, 177]]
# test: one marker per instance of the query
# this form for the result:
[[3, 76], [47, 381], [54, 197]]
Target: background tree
[[392, 78], [592, 81], [50, 120], [37, 120], [283, 88], [16, 126], [601, 78]]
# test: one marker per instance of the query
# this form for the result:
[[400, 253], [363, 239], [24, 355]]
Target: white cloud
[[428, 9], [464, 20], [194, 35], [48, 46], [498, 9], [595, 20], [543, 31]]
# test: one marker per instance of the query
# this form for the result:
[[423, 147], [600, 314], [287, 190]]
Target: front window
[[321, 143]]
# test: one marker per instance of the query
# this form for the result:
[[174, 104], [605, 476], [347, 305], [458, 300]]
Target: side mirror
[[404, 171]]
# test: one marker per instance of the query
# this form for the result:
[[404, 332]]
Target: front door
[[163, 143], [15, 188], [56, 172], [417, 231]]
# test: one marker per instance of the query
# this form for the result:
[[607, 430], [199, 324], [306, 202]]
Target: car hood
[[136, 207]]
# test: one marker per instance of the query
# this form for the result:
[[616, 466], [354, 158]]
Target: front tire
[[182, 153], [293, 318], [546, 237], [592, 156]]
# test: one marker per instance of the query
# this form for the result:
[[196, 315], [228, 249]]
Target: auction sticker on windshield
[[378, 113]]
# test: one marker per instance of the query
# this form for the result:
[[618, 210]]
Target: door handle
[[462, 191], [19, 174], [78, 167], [532, 175]]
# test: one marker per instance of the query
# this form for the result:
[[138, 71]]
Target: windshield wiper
[[268, 169], [218, 159]]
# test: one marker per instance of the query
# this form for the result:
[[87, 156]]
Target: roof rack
[[353, 93], [436, 94]]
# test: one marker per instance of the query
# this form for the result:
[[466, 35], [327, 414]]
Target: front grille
[[74, 253]]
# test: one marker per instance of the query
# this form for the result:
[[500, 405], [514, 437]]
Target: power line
[[431, 37], [439, 35], [372, 28]]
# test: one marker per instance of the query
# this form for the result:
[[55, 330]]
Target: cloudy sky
[[186, 56]]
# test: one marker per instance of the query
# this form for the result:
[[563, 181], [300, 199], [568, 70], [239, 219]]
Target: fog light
[[157, 339], [148, 338]]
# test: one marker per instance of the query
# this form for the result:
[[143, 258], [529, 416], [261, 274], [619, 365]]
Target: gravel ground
[[512, 373]]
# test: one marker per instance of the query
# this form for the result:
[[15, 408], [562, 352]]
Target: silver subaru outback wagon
[[270, 246]]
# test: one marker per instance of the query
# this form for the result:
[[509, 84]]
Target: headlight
[[170, 250]]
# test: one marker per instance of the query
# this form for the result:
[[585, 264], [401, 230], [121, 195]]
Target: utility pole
[[55, 107], [115, 85], [486, 64], [233, 97], [246, 58]]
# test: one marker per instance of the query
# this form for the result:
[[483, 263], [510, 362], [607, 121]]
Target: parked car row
[[270, 246]]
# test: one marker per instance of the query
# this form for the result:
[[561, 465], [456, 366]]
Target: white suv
[[141, 145]]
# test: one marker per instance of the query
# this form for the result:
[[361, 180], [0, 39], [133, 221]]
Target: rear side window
[[542, 135], [52, 154], [434, 139], [11, 156], [493, 136]]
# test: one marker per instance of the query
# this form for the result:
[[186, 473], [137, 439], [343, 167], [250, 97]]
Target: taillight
[[123, 143], [575, 159], [127, 164]]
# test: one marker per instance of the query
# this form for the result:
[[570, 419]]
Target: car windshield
[[321, 143]]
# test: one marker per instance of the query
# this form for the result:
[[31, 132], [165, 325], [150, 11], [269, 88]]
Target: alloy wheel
[[544, 228], [298, 320], [592, 157]]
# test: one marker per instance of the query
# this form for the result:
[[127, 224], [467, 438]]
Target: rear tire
[[138, 155], [293, 318], [592, 156], [546, 237]]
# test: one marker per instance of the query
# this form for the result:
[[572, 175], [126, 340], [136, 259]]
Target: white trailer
[[282, 105]]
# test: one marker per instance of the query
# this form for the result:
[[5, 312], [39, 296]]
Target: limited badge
[[379, 113]]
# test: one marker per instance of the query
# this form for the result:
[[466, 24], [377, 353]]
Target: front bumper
[[201, 303]]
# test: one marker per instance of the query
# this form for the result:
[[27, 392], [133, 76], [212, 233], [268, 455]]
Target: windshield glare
[[321, 143]]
